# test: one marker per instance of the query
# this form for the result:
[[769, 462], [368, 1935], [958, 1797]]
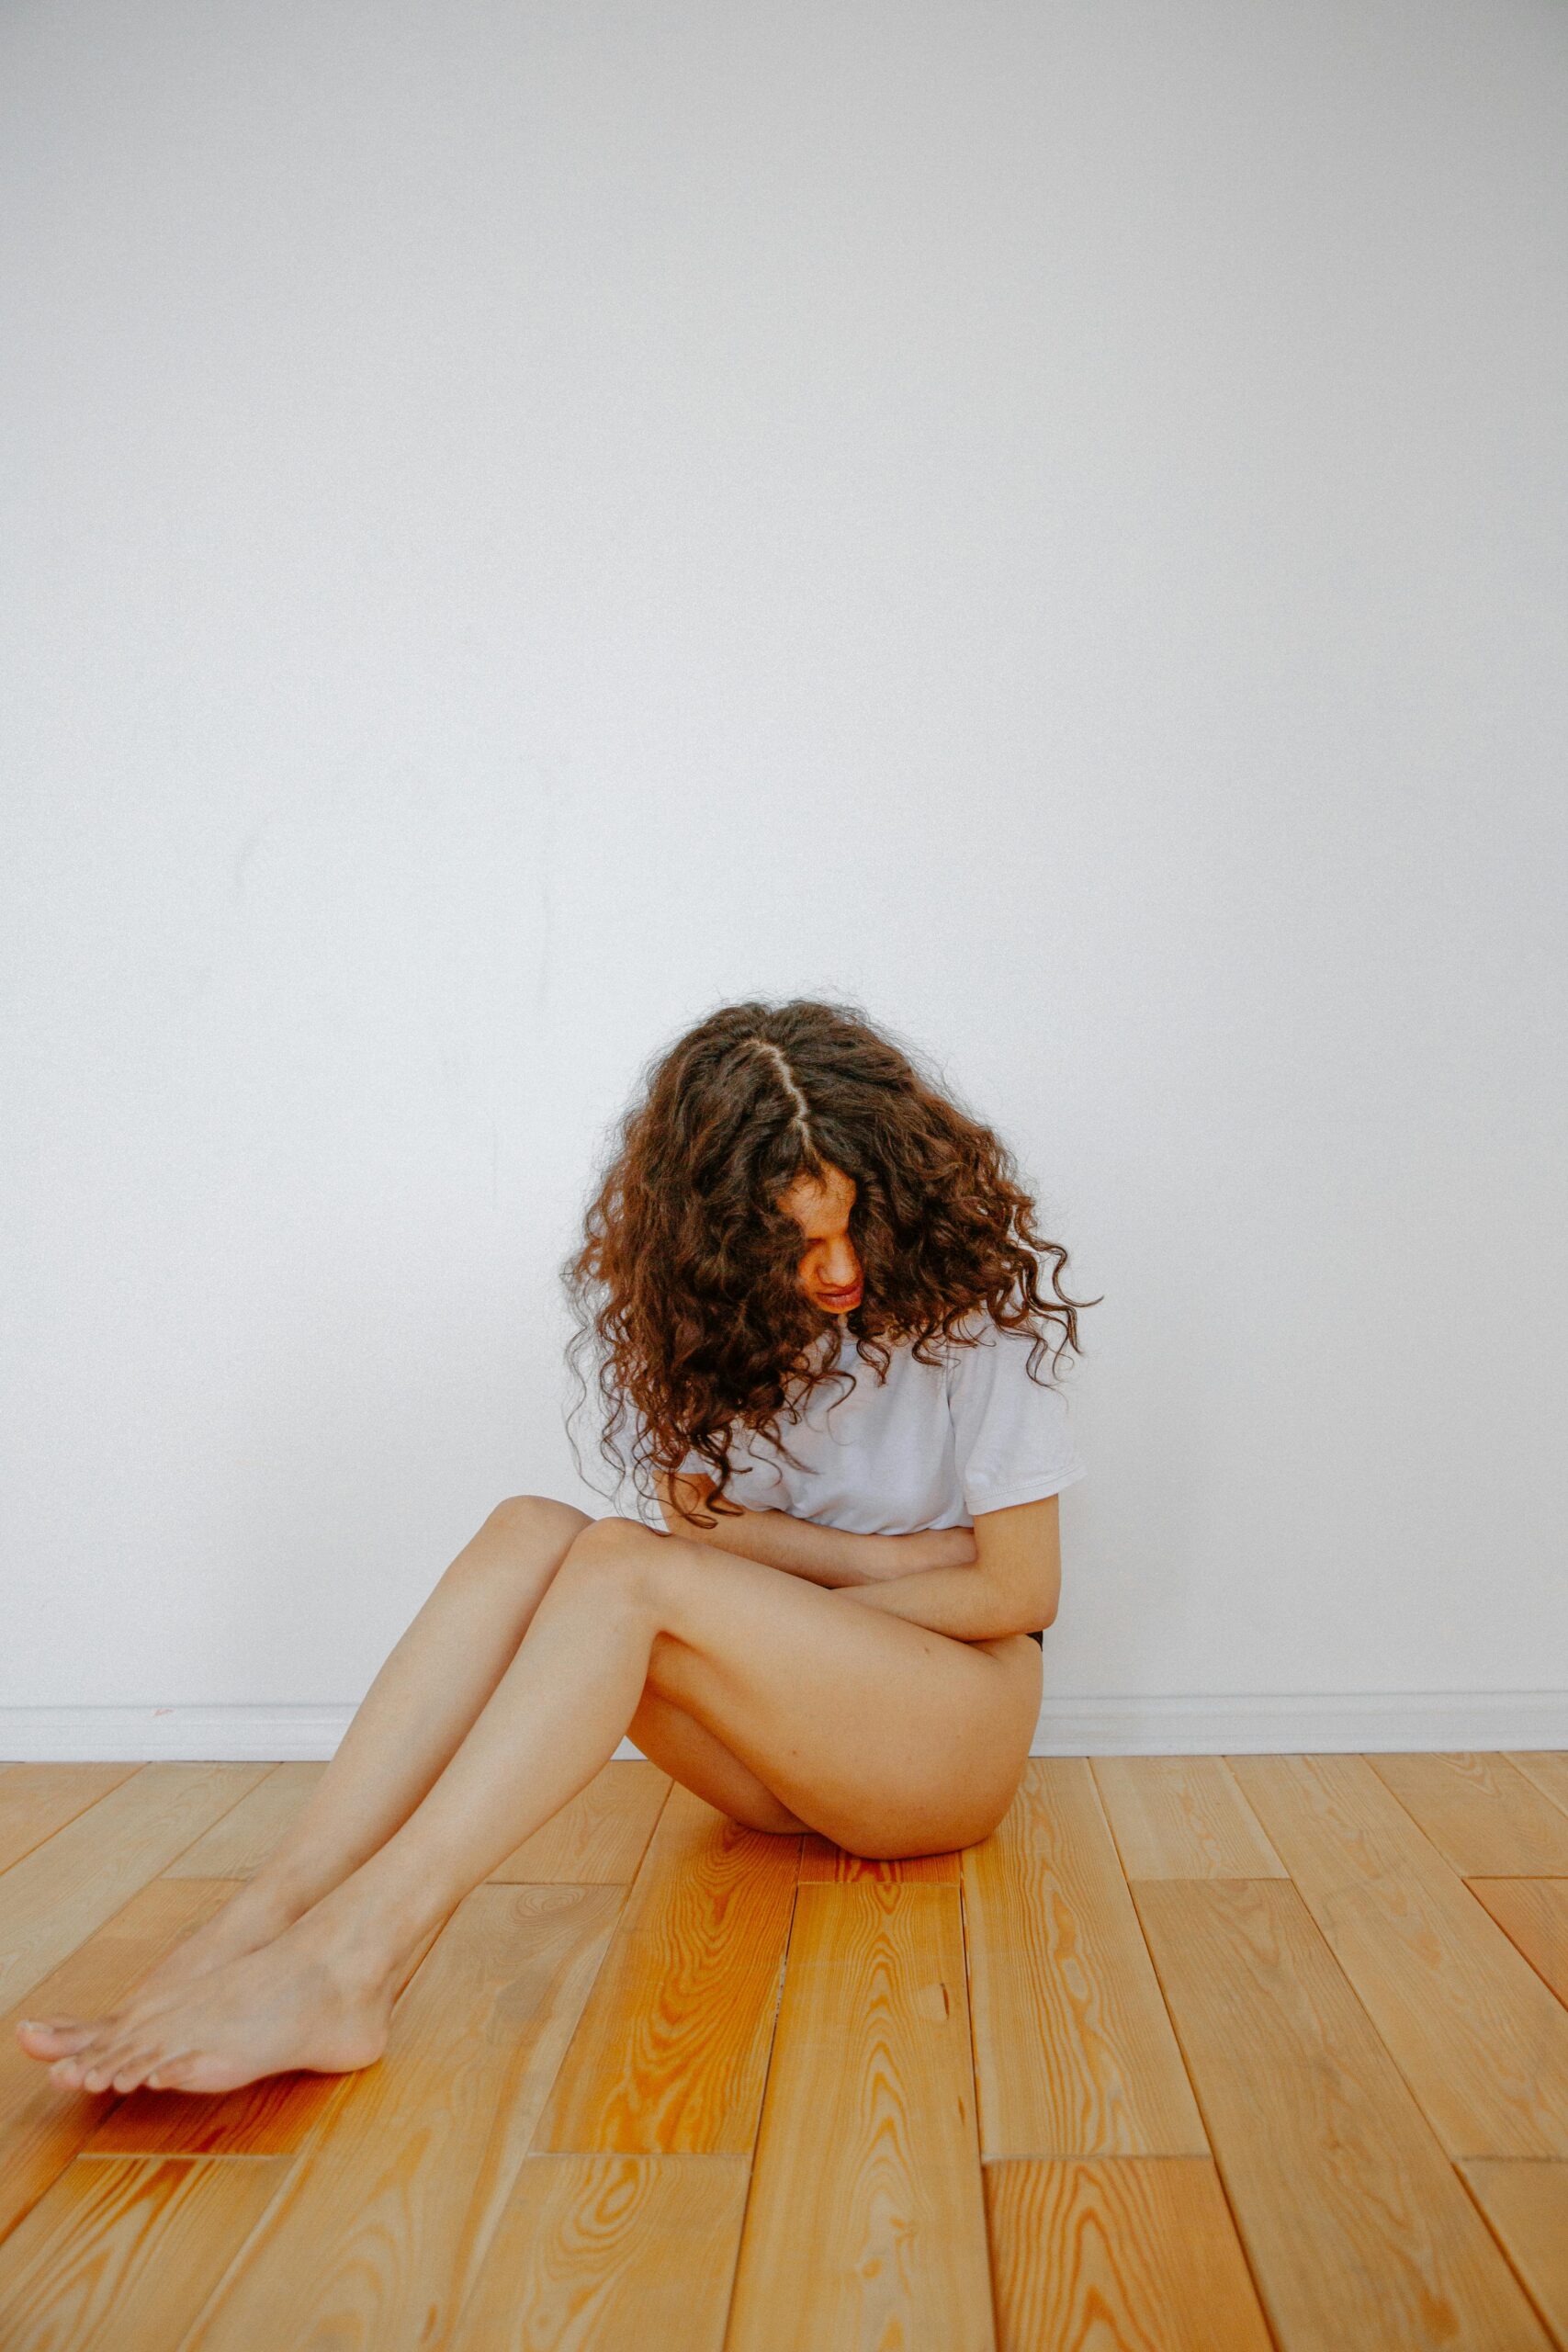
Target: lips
[[842, 1297]]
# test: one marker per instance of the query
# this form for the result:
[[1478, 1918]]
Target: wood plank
[[122, 2255], [52, 1899], [1479, 2038], [1533, 1915], [1128, 2253], [1357, 2231], [37, 1799], [599, 1838], [42, 2129], [1526, 2205], [599, 2251], [1182, 1816], [276, 2117], [821, 1860], [672, 2048], [380, 2232], [237, 1846], [1074, 2052], [1481, 1813], [1548, 1768], [866, 2222]]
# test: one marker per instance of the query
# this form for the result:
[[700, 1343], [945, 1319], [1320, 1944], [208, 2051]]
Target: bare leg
[[417, 1712], [408, 1725], [676, 1742], [873, 1727]]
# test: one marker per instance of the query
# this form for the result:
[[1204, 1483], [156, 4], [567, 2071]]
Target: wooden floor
[[1195, 2051]]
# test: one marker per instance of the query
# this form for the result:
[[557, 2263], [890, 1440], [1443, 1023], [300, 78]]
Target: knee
[[536, 1523], [524, 1536], [615, 1556]]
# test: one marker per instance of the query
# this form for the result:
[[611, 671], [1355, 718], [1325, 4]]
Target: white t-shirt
[[931, 1447]]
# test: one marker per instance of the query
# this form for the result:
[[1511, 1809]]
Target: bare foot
[[249, 1918], [296, 2002]]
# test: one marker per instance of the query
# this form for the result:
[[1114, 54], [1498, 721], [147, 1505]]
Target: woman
[[831, 1631]]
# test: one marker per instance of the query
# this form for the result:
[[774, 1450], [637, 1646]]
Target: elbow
[[1021, 1612]]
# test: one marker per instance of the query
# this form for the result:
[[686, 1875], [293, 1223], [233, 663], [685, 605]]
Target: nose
[[840, 1267]]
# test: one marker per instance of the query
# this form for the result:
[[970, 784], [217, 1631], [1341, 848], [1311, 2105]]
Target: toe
[[73, 2064], [133, 2072], [52, 2037], [104, 2065]]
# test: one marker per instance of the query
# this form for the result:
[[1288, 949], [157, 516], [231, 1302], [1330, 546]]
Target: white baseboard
[[1288, 1724], [1303, 1724], [177, 1735]]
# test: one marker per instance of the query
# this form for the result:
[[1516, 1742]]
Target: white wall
[[530, 521]]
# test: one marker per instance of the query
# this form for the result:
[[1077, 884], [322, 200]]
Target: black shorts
[[1038, 1637]]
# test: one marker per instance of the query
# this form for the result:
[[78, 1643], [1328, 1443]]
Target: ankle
[[275, 1898], [367, 1942]]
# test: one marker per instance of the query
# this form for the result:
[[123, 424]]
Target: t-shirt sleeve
[[1012, 1439]]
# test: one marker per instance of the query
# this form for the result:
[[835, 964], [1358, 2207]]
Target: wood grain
[[275, 2117], [1074, 2053], [1182, 1816], [866, 2222], [1123, 2253], [557, 2151], [120, 2257], [42, 2129], [1479, 2037], [1533, 1915], [1526, 2205], [379, 2234], [594, 2252], [672, 2048], [599, 1838], [53, 1898], [1481, 1813], [237, 1846], [37, 1799], [1548, 1769], [1357, 2232], [822, 1861]]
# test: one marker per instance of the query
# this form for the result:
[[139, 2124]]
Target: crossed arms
[[1002, 1576]]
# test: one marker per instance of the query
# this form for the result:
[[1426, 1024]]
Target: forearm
[[998, 1576], [963, 1603], [825, 1556]]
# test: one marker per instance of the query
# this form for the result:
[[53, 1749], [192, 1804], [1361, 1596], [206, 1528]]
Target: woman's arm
[[1012, 1586], [825, 1556]]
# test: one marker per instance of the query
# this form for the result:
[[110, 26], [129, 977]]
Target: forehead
[[819, 1208]]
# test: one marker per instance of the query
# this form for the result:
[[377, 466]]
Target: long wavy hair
[[686, 1285]]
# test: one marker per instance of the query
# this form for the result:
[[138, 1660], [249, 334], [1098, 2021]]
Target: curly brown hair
[[687, 1283]]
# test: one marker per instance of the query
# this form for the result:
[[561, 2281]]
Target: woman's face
[[831, 1274]]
